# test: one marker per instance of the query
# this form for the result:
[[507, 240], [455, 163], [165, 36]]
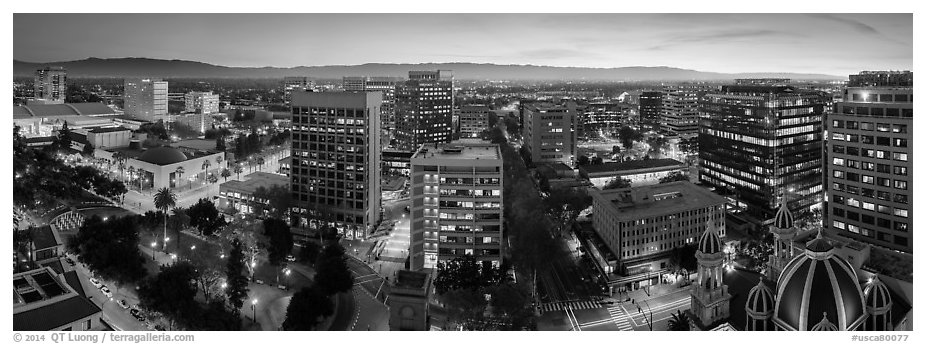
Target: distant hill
[[134, 67]]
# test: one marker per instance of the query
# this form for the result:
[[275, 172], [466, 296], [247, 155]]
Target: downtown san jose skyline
[[835, 44]]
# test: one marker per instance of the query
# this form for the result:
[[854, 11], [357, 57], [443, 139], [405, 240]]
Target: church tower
[[710, 300], [878, 306], [783, 249]]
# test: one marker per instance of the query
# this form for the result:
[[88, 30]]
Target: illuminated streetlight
[[254, 308], [154, 245]]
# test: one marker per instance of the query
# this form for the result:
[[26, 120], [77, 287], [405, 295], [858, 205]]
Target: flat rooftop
[[459, 150], [411, 279], [256, 180], [659, 199], [42, 300], [631, 165]]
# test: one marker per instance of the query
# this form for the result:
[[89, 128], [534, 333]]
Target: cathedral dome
[[816, 283], [761, 299], [824, 325], [876, 294], [710, 243], [784, 219]]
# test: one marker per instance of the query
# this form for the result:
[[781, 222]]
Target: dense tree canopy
[[617, 183], [280, 239], [563, 205], [673, 177], [205, 217], [307, 308], [278, 197], [331, 271], [110, 248], [236, 289]]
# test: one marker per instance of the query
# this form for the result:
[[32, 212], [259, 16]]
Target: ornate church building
[[813, 290]]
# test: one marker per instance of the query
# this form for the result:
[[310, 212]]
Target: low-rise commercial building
[[639, 172], [239, 194], [44, 300], [642, 225]]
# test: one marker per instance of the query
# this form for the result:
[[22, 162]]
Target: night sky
[[837, 44]]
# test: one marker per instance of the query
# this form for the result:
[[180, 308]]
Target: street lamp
[[254, 308], [648, 280], [166, 239], [154, 245]]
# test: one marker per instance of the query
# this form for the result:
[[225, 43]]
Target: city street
[[566, 279], [116, 316], [619, 316]]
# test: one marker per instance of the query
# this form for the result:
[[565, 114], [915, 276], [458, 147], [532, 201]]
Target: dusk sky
[[807, 43]]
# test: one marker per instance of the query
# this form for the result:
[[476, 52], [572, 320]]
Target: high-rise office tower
[[457, 204], [201, 102], [650, 109], [292, 84], [146, 98], [424, 109], [335, 168], [870, 160], [679, 112], [550, 132], [51, 85], [386, 85], [764, 144]]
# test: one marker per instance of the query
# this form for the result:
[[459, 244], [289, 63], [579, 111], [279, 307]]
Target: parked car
[[290, 258], [137, 314], [282, 287], [123, 304], [70, 261], [259, 281], [106, 291], [96, 283]]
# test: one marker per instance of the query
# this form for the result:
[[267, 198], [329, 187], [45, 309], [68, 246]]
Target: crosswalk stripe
[[562, 305]]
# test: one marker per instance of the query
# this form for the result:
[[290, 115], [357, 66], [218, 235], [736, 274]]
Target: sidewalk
[[654, 292]]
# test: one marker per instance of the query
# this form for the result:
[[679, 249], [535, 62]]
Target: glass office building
[[760, 143]]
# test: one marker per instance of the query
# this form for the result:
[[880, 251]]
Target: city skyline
[[726, 43]]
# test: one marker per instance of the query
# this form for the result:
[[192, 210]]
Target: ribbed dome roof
[[784, 219], [163, 156], [876, 294], [819, 244], [818, 282], [761, 299], [710, 241], [824, 325]]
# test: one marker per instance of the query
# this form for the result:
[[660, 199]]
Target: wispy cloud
[[554, 54], [857, 25], [725, 36]]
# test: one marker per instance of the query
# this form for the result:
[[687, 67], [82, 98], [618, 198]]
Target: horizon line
[[416, 63]]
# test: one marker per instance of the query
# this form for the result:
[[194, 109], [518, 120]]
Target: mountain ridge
[[176, 68]]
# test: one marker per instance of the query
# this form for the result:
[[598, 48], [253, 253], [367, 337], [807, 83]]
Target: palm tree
[[679, 322], [206, 166], [260, 161], [226, 173], [218, 160], [132, 174], [179, 173], [164, 199], [120, 158], [238, 170]]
